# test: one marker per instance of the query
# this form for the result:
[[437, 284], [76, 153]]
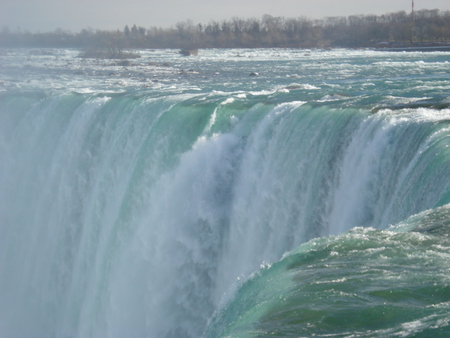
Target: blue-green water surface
[[183, 197]]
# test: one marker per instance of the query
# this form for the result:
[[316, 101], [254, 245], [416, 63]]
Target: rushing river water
[[239, 193]]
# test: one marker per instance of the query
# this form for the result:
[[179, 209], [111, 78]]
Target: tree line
[[423, 26]]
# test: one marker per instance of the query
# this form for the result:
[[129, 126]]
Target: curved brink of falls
[[126, 215]]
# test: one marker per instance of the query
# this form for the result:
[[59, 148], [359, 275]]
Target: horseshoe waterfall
[[181, 197]]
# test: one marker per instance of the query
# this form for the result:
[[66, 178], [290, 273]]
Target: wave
[[364, 283]]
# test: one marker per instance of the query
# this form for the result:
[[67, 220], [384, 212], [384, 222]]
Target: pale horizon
[[75, 15]]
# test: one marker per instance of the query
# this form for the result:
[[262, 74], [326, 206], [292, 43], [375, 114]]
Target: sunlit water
[[239, 193]]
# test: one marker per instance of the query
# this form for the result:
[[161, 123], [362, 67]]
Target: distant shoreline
[[424, 30], [415, 49]]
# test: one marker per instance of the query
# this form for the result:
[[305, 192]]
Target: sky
[[74, 15]]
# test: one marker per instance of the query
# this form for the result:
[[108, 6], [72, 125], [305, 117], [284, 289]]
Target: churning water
[[181, 197]]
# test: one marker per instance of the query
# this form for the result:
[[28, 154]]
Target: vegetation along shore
[[424, 28]]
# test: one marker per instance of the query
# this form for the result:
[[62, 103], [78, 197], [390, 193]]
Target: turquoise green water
[[364, 283], [195, 200]]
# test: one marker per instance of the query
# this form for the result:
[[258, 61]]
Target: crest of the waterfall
[[389, 160], [139, 208]]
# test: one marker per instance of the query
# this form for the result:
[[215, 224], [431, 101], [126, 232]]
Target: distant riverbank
[[426, 29]]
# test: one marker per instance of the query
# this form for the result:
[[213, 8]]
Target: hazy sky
[[74, 15]]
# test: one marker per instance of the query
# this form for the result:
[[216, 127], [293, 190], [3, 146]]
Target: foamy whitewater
[[182, 197]]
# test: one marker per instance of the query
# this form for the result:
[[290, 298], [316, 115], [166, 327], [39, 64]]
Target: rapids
[[190, 200]]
